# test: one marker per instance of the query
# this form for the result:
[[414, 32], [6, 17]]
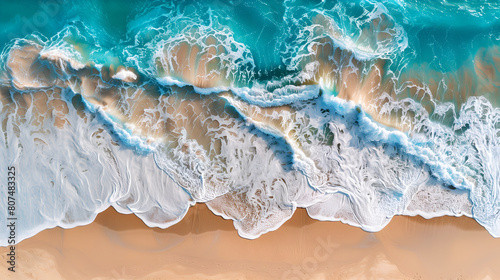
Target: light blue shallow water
[[355, 110]]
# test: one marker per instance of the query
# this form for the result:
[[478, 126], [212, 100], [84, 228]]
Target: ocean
[[356, 111]]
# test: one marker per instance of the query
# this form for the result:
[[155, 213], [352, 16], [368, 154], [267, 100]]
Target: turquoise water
[[444, 35], [354, 110]]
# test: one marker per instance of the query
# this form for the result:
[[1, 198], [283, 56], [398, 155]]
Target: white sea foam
[[253, 153], [65, 177], [125, 75]]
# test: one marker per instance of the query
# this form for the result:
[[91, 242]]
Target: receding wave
[[343, 114]]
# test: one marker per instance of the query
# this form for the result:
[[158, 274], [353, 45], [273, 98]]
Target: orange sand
[[205, 246]]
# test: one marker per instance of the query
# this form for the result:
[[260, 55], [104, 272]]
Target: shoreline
[[205, 246]]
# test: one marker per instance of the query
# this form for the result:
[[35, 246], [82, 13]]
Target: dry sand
[[205, 246]]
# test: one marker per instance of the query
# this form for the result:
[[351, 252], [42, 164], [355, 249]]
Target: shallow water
[[355, 111]]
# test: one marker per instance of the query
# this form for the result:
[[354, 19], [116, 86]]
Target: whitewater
[[355, 111]]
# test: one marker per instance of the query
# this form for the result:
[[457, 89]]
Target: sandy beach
[[205, 246]]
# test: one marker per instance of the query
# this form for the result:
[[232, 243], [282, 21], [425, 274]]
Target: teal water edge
[[354, 110]]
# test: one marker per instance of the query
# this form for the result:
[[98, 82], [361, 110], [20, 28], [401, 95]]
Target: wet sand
[[205, 246]]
